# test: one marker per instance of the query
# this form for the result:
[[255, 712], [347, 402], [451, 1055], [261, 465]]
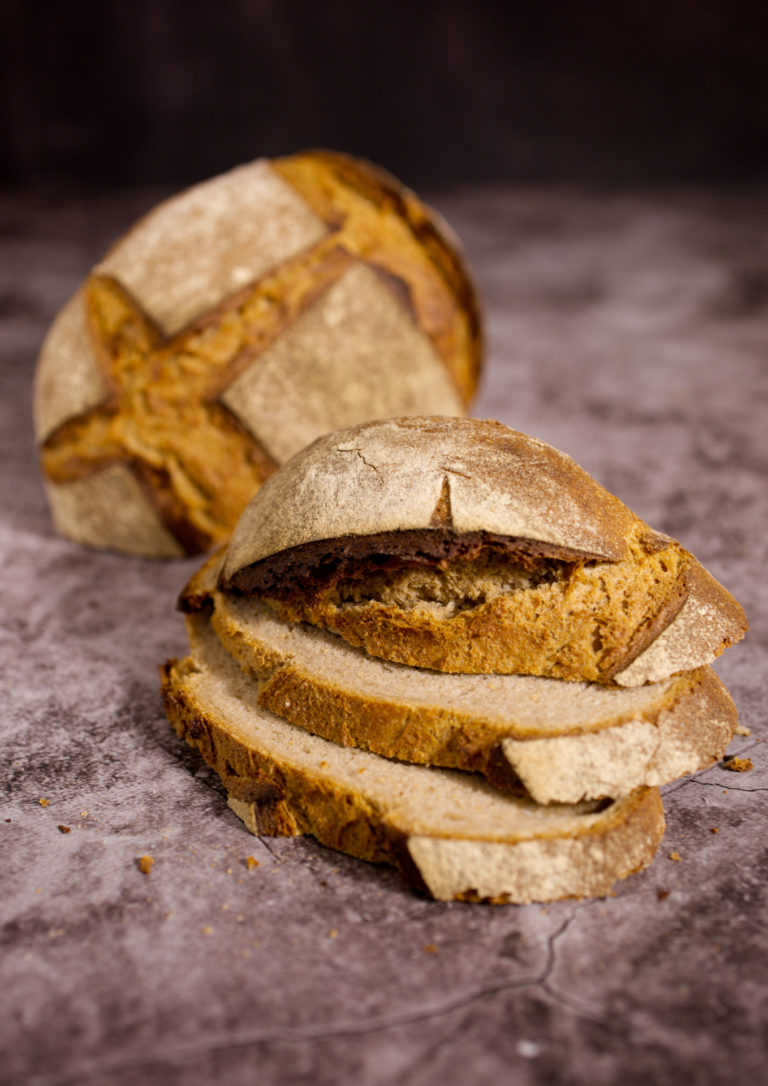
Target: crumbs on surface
[[738, 765], [44, 802], [714, 829], [675, 856], [741, 730], [64, 829], [251, 862], [145, 864], [662, 894]]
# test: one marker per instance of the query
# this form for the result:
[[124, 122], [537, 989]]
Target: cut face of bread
[[562, 742], [466, 547], [449, 833], [233, 324]]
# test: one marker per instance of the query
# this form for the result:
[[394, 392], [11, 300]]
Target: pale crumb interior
[[516, 704], [420, 799]]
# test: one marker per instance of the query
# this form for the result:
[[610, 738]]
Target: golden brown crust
[[559, 733], [436, 280], [285, 801], [163, 417], [542, 859], [709, 621], [243, 777], [584, 625], [398, 474], [466, 547]]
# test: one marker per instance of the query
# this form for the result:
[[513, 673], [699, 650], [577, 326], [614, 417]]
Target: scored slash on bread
[[236, 322], [449, 833], [563, 742], [464, 546]]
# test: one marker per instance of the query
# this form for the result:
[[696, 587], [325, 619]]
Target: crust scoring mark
[[442, 514], [158, 381], [436, 268], [203, 358]]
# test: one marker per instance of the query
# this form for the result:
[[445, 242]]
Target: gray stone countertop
[[630, 330]]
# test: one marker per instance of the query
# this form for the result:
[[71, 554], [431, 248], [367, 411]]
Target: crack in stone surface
[[697, 778], [275, 855], [311, 1033], [727, 787], [562, 998]]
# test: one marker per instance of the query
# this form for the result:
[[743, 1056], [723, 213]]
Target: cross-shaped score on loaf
[[164, 416]]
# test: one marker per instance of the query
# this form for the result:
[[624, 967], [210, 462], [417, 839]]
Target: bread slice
[[562, 742], [464, 546], [448, 833]]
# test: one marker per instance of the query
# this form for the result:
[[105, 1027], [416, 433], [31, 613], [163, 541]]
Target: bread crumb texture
[[238, 321], [448, 832], [559, 619], [145, 863], [738, 765], [563, 742], [463, 546]]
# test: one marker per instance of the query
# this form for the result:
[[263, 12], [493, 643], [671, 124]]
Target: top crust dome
[[419, 473], [234, 324], [463, 546]]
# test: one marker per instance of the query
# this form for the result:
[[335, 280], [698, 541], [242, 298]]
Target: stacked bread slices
[[441, 644]]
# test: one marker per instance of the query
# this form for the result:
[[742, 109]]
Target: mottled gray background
[[628, 329]]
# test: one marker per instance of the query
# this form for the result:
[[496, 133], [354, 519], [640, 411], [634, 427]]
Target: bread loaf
[[235, 323], [561, 742], [449, 833], [464, 546]]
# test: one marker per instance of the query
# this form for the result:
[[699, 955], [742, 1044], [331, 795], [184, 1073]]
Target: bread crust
[[572, 852], [342, 535], [562, 743], [150, 368], [399, 475]]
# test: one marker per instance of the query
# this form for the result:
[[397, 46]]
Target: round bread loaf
[[237, 322], [464, 546]]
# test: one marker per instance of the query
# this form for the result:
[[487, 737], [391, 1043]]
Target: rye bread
[[561, 742], [464, 546], [233, 324], [450, 834]]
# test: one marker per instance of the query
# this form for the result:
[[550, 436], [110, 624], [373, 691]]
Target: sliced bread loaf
[[563, 742], [449, 833], [464, 546]]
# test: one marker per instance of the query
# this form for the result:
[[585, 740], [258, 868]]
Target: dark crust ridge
[[383, 189], [309, 567]]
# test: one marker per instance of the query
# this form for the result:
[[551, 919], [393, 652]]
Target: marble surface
[[630, 330]]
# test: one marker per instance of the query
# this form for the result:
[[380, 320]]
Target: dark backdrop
[[114, 92]]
